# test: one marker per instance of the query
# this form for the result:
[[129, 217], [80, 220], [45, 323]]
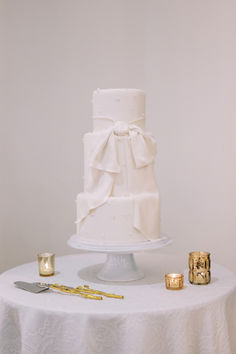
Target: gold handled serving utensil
[[73, 291], [86, 289], [83, 291]]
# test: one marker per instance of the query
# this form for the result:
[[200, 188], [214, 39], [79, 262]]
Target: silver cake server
[[31, 287]]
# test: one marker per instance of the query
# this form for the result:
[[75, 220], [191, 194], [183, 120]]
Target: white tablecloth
[[150, 320]]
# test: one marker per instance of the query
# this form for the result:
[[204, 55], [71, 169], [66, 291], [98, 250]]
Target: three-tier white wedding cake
[[120, 202]]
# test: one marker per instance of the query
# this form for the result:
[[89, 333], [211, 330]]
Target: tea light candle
[[46, 264], [174, 281]]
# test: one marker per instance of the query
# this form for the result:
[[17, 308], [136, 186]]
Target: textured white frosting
[[120, 202]]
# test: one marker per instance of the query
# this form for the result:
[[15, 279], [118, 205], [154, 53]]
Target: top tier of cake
[[127, 105]]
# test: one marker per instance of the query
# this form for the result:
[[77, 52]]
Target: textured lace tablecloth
[[150, 320]]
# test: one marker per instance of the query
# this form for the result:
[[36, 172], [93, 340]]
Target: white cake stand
[[120, 263]]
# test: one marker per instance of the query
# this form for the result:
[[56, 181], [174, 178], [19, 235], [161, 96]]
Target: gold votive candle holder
[[199, 268], [174, 281], [46, 264]]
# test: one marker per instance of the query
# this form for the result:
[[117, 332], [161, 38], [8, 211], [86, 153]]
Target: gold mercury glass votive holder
[[174, 281], [46, 264], [199, 268]]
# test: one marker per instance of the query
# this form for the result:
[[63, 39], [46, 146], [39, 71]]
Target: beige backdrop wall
[[54, 53]]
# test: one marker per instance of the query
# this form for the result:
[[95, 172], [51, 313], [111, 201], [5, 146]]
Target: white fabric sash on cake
[[104, 165]]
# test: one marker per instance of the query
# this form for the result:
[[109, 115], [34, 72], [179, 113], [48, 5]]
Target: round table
[[150, 319]]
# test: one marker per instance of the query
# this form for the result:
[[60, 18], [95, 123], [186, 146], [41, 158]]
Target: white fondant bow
[[143, 146], [104, 164]]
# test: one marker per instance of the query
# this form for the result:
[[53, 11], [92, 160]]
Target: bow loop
[[143, 147]]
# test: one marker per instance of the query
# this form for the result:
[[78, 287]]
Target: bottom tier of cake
[[122, 220]]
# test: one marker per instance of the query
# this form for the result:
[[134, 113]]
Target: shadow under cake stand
[[120, 264]]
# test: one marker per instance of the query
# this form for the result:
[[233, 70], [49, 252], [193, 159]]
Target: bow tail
[[103, 168], [94, 198], [105, 155], [148, 226]]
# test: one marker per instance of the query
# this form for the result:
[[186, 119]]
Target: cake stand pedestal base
[[120, 263], [120, 267]]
